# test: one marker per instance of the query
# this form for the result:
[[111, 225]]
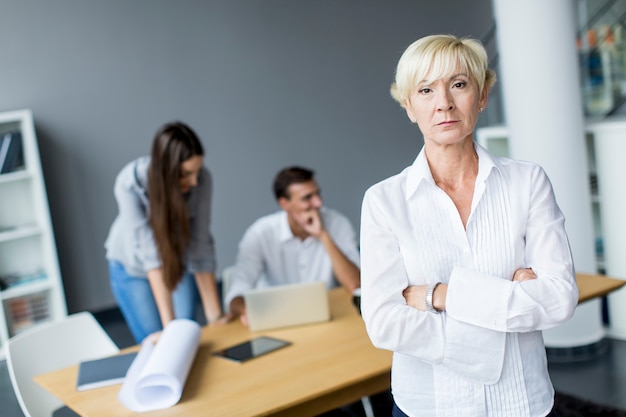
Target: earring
[[481, 109]]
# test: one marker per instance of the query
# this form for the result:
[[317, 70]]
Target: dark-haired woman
[[159, 248]]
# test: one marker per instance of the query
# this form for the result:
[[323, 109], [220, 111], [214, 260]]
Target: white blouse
[[483, 356]]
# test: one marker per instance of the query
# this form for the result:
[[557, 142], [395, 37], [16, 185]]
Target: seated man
[[303, 242]]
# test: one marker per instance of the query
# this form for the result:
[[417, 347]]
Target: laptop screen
[[287, 305]]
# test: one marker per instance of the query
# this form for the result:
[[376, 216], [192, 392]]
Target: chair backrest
[[227, 274], [48, 347]]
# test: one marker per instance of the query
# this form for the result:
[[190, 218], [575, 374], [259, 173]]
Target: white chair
[[227, 274], [48, 347]]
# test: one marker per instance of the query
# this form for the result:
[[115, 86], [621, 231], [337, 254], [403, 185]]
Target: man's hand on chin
[[311, 222]]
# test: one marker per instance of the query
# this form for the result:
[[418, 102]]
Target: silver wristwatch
[[429, 298]]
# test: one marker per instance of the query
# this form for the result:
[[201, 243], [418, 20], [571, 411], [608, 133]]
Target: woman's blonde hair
[[438, 56]]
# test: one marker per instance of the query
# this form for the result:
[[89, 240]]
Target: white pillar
[[544, 115]]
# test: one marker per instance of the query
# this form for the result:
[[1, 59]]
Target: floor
[[600, 377]]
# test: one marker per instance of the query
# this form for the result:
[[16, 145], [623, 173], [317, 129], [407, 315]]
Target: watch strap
[[429, 298]]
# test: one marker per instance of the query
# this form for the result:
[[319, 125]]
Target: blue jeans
[[136, 301], [396, 412]]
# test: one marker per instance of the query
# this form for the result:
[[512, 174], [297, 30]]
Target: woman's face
[[446, 110], [189, 172]]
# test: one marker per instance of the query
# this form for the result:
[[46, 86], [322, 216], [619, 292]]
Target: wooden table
[[592, 286], [329, 365]]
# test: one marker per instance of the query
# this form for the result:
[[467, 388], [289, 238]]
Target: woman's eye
[[460, 84], [425, 90]]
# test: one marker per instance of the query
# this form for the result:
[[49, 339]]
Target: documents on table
[[156, 378]]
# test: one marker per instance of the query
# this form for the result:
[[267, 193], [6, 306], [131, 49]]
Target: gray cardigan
[[130, 240]]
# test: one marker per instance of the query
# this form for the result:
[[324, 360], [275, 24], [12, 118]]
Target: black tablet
[[252, 348], [102, 372]]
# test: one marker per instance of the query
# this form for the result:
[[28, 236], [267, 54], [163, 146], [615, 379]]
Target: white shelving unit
[[495, 140], [606, 145], [609, 145], [28, 255]]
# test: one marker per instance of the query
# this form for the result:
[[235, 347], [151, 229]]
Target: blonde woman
[[464, 255]]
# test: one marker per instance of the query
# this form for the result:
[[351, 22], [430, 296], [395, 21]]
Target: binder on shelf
[[17, 279], [25, 311], [20, 314], [11, 155]]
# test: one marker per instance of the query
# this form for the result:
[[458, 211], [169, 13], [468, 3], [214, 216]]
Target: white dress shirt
[[483, 356], [269, 253]]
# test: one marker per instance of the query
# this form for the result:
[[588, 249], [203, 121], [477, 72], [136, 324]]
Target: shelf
[[19, 233], [28, 257], [20, 175], [25, 289]]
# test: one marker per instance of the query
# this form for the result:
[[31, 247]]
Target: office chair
[[226, 281], [48, 347]]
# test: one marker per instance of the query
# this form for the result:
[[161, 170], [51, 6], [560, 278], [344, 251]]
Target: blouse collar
[[420, 171]]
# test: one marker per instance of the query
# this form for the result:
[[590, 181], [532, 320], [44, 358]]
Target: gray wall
[[264, 83]]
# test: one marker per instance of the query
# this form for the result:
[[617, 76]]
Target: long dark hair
[[173, 144]]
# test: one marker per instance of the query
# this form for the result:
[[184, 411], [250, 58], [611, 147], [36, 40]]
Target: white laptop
[[287, 305]]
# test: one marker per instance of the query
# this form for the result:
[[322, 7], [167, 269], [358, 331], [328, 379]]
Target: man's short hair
[[288, 176]]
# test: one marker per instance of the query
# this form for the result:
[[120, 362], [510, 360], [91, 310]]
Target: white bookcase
[[495, 140], [606, 147], [28, 256], [609, 145]]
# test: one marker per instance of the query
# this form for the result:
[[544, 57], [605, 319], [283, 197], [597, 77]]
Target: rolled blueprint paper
[[156, 378]]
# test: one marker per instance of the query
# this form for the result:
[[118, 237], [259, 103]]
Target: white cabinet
[[609, 139], [606, 147], [495, 140], [29, 267]]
